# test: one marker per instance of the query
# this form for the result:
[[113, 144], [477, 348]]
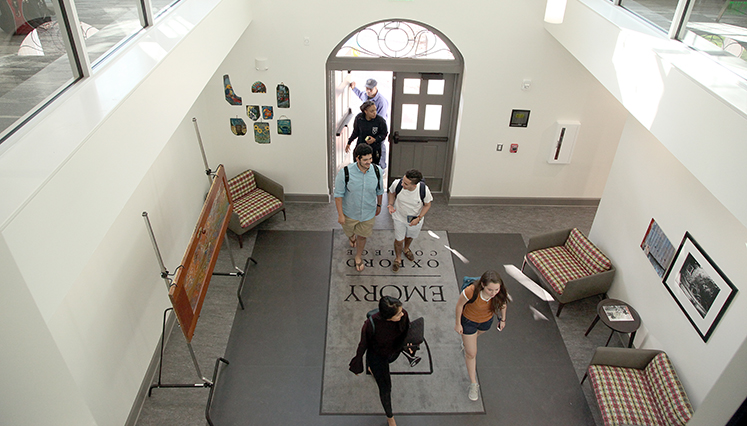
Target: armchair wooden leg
[[560, 308], [284, 214], [241, 241], [585, 376]]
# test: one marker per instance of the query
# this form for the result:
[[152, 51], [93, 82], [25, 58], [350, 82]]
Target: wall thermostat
[[519, 118]]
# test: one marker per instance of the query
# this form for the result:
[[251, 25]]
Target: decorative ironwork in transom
[[396, 39]]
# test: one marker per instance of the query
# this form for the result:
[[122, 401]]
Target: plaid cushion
[[586, 252], [670, 395], [557, 266], [624, 396], [255, 206], [241, 185]]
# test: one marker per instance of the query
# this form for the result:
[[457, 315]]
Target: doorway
[[426, 71]]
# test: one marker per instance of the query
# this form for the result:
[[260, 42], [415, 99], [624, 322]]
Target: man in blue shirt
[[372, 94], [358, 195]]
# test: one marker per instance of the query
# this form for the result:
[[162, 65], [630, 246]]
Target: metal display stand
[[166, 276]]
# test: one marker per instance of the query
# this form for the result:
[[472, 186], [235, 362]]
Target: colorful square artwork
[[284, 125], [267, 113], [261, 132]]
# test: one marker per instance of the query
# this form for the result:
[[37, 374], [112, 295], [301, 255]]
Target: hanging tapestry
[[238, 126], [231, 97], [284, 125], [259, 87], [283, 96], [253, 112], [261, 132]]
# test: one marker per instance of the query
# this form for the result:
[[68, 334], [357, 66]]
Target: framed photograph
[[698, 286]]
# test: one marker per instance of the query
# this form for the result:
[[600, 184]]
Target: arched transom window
[[395, 39]]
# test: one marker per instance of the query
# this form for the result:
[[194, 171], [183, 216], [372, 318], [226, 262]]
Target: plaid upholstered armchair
[[568, 266], [255, 198], [637, 387]]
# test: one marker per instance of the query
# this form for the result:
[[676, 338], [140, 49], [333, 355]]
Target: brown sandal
[[359, 266], [409, 255], [353, 241], [395, 266]]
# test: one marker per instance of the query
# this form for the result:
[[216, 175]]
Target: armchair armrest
[[587, 286], [269, 185], [552, 239], [623, 357]]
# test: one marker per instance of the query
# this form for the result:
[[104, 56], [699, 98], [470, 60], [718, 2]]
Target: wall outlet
[[499, 147]]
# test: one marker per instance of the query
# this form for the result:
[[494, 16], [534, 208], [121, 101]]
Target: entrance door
[[421, 116]]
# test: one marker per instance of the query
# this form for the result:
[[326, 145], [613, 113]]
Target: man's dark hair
[[414, 175], [389, 306], [365, 105], [361, 150]]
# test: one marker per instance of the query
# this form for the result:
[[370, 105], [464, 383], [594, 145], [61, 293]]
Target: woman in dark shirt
[[369, 128], [382, 339]]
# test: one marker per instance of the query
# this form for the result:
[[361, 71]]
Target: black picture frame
[[519, 118], [699, 287]]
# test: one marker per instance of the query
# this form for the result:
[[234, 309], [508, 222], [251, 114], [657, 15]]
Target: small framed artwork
[[657, 248], [519, 118], [698, 286]]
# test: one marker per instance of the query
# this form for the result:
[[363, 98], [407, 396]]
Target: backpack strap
[[376, 170], [474, 294], [421, 185], [378, 177]]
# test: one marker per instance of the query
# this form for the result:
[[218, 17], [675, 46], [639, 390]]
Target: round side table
[[621, 326]]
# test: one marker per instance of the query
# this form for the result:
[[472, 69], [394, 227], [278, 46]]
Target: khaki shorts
[[356, 227]]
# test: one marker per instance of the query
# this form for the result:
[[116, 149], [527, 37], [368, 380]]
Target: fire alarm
[[514, 148]]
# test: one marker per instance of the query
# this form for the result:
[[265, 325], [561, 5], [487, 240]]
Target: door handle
[[395, 137]]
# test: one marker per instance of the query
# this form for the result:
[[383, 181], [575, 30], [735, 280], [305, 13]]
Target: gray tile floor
[[187, 406]]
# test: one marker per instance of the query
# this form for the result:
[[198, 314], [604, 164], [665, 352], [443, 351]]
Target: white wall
[[647, 181], [496, 65], [82, 297], [679, 161]]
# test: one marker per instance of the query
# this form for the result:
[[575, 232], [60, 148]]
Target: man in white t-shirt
[[409, 200]]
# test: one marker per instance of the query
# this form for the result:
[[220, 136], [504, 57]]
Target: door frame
[[402, 65]]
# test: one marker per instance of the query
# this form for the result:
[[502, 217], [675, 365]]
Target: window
[[395, 39], [719, 28], [657, 12], [715, 27], [36, 54]]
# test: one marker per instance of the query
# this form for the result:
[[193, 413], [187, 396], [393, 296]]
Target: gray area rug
[[428, 288]]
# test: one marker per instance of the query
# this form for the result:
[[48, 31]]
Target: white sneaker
[[474, 391]]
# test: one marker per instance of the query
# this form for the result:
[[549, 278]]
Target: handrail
[[344, 122]]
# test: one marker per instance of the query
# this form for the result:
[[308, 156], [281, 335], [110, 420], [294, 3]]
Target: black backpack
[[376, 170], [421, 185]]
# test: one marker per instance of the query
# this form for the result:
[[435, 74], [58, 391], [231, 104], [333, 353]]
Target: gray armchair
[[255, 199], [568, 266]]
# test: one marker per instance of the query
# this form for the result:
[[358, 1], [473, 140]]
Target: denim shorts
[[471, 327]]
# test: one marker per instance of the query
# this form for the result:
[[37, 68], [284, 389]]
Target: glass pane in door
[[409, 117], [432, 117], [411, 86], [435, 87]]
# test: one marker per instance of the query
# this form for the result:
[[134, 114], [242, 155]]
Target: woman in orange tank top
[[474, 316]]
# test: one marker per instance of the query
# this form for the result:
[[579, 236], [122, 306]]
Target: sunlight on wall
[[640, 73]]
